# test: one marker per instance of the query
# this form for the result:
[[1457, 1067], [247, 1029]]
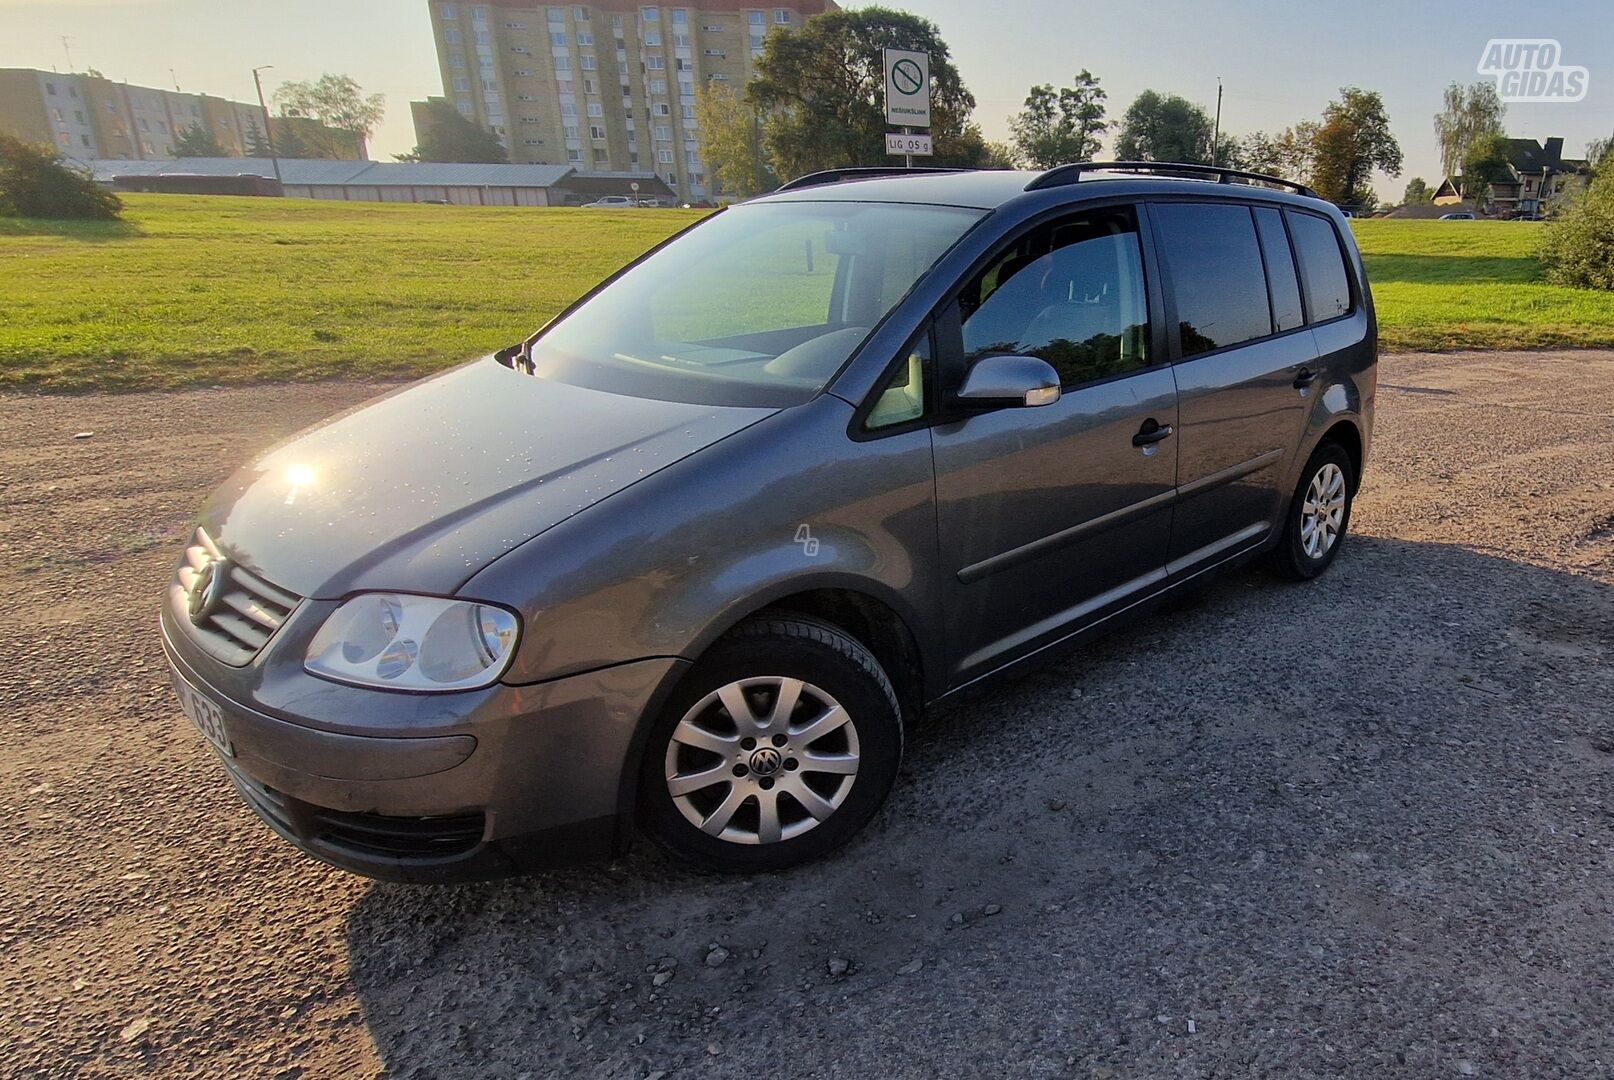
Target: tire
[[705, 784], [1310, 543]]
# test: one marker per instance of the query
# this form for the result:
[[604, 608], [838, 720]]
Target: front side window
[[1322, 266], [1213, 261], [759, 305], [1071, 293]]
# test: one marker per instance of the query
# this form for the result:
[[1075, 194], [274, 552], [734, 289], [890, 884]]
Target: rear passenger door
[[1243, 359]]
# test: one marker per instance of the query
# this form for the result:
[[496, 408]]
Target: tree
[[289, 144], [1486, 163], [730, 132], [1230, 152], [820, 89], [1056, 127], [1001, 155], [197, 141], [1164, 128], [1578, 248], [1287, 154], [1352, 142], [36, 182], [1471, 113], [1597, 150], [449, 136], [1417, 192], [257, 143], [336, 101]]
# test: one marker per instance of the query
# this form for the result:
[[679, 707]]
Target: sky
[[1279, 63]]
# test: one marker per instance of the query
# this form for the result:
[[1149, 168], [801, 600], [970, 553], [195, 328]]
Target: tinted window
[[1071, 293], [1322, 266], [1214, 263], [1285, 285]]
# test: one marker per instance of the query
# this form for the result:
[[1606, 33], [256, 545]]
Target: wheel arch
[[875, 623], [1348, 437]]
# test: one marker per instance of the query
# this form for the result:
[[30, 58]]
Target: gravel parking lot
[[1358, 828]]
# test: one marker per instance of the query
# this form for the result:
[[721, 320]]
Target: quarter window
[[903, 398], [1214, 263], [1071, 293], [1322, 266], [1285, 286]]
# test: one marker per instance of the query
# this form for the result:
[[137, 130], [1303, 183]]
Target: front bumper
[[517, 778]]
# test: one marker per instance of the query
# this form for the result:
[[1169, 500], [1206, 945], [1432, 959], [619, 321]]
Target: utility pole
[[1216, 139], [268, 131], [171, 75], [67, 47]]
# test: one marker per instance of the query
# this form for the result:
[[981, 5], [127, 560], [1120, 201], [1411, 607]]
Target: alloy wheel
[[1322, 514], [761, 760]]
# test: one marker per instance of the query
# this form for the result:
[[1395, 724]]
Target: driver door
[[1053, 517]]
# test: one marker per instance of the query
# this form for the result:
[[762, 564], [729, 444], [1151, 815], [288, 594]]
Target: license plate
[[206, 716]]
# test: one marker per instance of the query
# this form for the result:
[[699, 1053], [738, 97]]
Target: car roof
[[990, 189]]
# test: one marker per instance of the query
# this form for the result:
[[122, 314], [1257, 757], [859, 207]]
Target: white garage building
[[376, 181]]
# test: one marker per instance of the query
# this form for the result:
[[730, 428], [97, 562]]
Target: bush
[[1578, 248], [35, 182]]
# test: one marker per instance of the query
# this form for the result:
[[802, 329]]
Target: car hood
[[419, 490]]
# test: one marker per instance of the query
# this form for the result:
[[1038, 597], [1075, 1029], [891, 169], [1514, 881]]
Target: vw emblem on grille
[[766, 761], [206, 590]]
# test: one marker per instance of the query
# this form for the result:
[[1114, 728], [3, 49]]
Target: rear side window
[[1213, 262], [1071, 292], [1322, 266], [1286, 312]]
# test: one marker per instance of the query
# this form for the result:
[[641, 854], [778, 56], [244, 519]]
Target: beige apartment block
[[605, 86], [90, 117]]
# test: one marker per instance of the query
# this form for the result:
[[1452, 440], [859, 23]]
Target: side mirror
[[998, 381]]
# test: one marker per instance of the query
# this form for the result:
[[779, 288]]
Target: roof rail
[[835, 176], [1070, 174]]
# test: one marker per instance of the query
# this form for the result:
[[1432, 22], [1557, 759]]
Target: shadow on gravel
[[1358, 827]]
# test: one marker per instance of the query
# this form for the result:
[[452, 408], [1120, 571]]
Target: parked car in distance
[[697, 555], [1461, 215], [611, 202]]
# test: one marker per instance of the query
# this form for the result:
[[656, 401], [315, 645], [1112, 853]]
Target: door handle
[[1305, 378], [1151, 432]]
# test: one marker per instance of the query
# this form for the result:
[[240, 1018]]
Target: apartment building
[[608, 86], [90, 117]]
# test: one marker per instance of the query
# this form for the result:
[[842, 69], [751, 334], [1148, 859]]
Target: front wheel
[[783, 741], [1318, 514]]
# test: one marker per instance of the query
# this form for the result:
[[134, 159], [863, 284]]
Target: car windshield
[[760, 305]]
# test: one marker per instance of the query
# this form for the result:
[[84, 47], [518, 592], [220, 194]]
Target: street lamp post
[[268, 130]]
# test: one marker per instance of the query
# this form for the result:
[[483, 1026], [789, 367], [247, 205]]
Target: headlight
[[400, 642]]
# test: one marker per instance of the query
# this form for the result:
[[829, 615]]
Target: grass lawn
[[193, 290], [1474, 285], [204, 290]]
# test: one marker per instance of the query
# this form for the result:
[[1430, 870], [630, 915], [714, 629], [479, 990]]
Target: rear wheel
[[1319, 514], [783, 741]]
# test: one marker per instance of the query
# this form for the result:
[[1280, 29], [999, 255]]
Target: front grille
[[441, 836], [249, 610]]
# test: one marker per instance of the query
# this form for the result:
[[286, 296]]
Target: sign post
[[907, 102]]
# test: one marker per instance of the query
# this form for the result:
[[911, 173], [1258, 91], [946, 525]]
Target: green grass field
[[194, 290], [1474, 285]]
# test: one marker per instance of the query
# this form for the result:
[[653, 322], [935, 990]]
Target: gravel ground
[[1356, 828]]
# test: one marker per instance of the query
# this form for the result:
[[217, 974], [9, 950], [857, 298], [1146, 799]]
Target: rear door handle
[[1305, 378], [1151, 432]]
